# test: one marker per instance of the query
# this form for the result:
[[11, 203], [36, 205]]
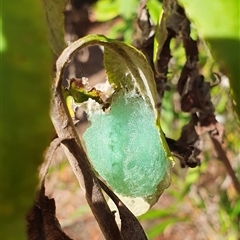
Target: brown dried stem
[[222, 156]]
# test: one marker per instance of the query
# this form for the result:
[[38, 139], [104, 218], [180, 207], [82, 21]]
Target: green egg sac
[[125, 148]]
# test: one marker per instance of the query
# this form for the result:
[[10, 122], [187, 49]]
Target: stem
[[221, 154]]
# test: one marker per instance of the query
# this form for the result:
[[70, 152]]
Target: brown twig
[[221, 155], [49, 153]]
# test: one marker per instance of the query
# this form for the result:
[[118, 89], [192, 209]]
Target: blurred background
[[201, 203]]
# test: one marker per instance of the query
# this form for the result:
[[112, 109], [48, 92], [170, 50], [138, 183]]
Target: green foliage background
[[218, 22], [26, 64]]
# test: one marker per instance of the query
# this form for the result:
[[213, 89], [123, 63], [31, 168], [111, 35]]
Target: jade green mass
[[125, 149]]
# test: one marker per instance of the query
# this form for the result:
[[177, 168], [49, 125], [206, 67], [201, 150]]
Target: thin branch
[[221, 154], [48, 159]]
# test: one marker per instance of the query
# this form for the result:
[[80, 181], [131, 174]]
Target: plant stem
[[221, 154]]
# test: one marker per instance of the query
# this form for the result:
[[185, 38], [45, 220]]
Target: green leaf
[[154, 8], [157, 214], [160, 228], [161, 32], [127, 8], [218, 22], [25, 125], [191, 178], [105, 10], [111, 65], [81, 92], [3, 44], [54, 11]]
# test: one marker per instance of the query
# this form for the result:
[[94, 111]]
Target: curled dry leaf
[[126, 145], [42, 222], [134, 78]]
